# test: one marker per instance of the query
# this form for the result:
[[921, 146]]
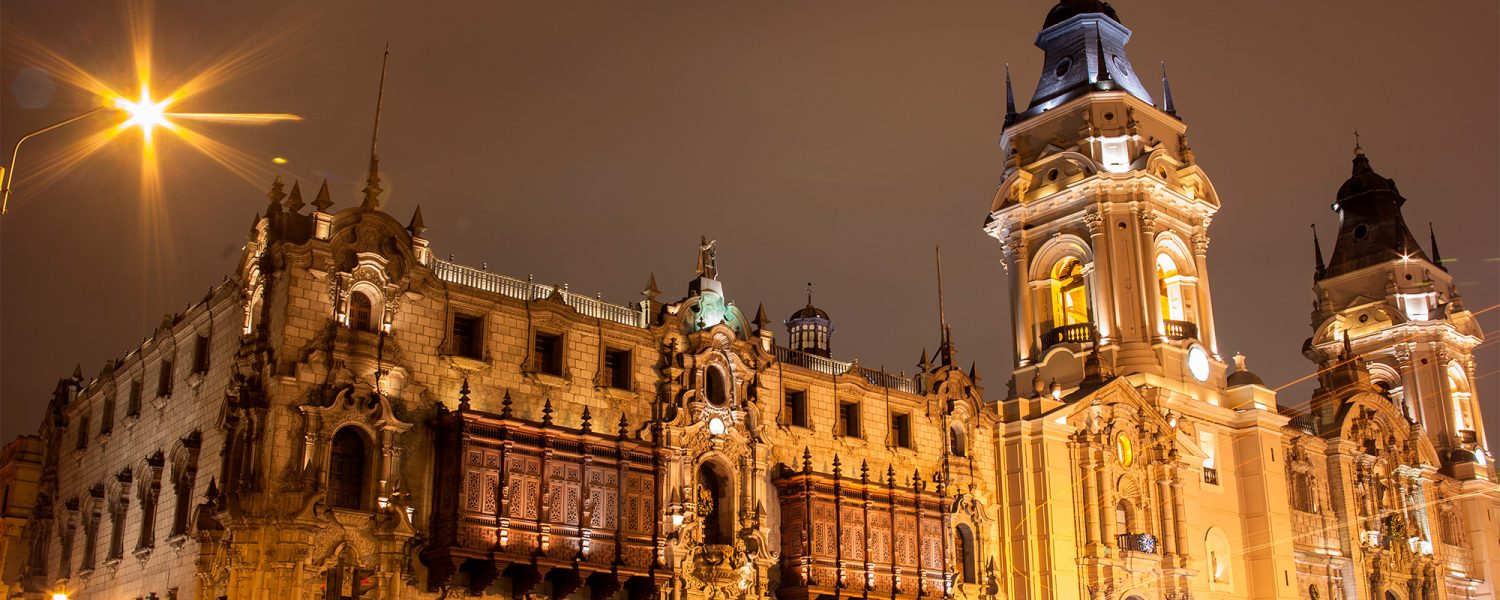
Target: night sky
[[591, 143]]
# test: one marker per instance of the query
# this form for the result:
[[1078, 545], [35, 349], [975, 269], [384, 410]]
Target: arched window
[[712, 506], [956, 441], [361, 312], [1458, 390], [1170, 289], [714, 386], [1070, 298], [964, 553], [1304, 492], [1124, 517], [347, 470]]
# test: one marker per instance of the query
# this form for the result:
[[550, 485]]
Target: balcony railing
[[831, 366], [1078, 333], [1210, 476], [1180, 330], [1137, 542], [633, 315], [1467, 437]]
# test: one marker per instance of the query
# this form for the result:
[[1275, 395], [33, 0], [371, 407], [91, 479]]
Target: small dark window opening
[[164, 379], [133, 408], [346, 470], [200, 355], [107, 419], [965, 552], [901, 430], [617, 368], [849, 419], [796, 407], [715, 387], [361, 312], [956, 442], [468, 336], [83, 432], [549, 353], [712, 494]]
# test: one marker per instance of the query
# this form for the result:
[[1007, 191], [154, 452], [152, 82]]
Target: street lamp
[[8, 174], [59, 596]]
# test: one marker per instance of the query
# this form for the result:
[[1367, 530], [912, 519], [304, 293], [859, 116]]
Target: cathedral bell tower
[[1102, 215], [1385, 303]]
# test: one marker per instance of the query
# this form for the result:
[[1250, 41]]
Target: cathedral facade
[[349, 416]]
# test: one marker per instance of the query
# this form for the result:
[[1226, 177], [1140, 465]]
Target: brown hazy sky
[[830, 141]]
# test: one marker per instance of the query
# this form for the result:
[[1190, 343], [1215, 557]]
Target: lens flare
[[146, 113]]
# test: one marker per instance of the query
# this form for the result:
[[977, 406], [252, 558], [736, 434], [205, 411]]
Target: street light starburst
[[145, 113]]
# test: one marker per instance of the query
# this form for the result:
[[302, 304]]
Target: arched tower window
[[347, 466], [956, 441], [712, 504], [1458, 390], [964, 553], [715, 386], [1170, 289], [1124, 517], [361, 312], [1070, 297]]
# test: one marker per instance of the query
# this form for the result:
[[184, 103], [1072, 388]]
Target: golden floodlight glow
[[279, 160]]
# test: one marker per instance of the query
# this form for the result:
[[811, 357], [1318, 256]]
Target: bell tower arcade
[[1102, 215]]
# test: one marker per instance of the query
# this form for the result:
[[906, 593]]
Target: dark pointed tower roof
[[1084, 42], [1371, 229], [417, 225], [1318, 253], [1437, 255], [322, 202]]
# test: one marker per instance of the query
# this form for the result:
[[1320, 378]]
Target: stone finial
[[864, 471], [1437, 256], [322, 202], [651, 292], [276, 195], [1010, 98], [1318, 253], [505, 404], [1239, 362], [624, 426], [806, 459], [761, 320], [463, 396], [837, 467], [890, 476], [417, 226], [294, 200], [547, 412], [587, 425], [1166, 92]]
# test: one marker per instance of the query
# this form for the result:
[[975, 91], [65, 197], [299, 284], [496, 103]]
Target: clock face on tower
[[1197, 363]]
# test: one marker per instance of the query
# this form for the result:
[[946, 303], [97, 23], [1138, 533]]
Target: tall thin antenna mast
[[942, 314], [372, 183]]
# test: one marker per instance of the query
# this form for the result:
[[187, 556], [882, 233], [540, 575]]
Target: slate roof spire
[[372, 181]]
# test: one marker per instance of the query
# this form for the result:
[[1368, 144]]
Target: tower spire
[[1318, 252], [372, 182], [1358, 150], [946, 348], [1437, 257], [1010, 98], [1166, 92]]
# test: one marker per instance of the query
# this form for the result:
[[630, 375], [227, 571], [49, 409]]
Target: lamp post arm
[[10, 172]]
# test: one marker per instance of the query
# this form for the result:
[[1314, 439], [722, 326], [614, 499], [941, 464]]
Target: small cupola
[[810, 329]]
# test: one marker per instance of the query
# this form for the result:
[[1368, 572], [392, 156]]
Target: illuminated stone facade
[[348, 416]]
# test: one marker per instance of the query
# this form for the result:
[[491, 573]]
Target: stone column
[[1147, 268], [1104, 312], [1205, 302], [1025, 326], [1090, 504]]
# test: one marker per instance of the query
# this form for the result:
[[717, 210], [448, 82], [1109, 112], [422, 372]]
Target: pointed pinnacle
[[624, 425], [322, 202], [547, 412], [294, 202], [78, 371], [417, 226], [505, 404], [1010, 97], [463, 395], [924, 363], [1166, 92], [651, 291], [760, 318], [276, 195], [588, 421], [1318, 251], [1437, 256]]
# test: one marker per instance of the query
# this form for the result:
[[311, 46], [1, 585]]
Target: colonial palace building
[[349, 416]]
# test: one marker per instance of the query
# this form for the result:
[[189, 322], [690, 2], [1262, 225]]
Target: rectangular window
[[164, 379], [83, 432], [796, 408], [901, 430], [849, 419], [468, 336], [200, 355], [549, 353], [617, 368], [134, 407], [1208, 443], [107, 419]]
